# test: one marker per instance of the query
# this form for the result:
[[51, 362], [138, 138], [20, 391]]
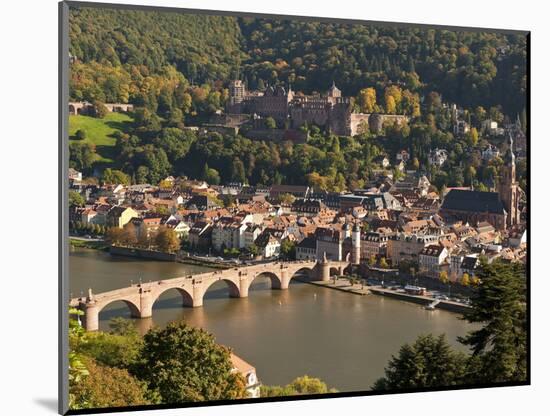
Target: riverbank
[[95, 244], [343, 285], [142, 253], [447, 305], [201, 262]]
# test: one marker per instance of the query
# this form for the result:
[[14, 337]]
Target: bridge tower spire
[[356, 244]]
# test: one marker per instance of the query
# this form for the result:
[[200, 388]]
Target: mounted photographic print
[[265, 208]]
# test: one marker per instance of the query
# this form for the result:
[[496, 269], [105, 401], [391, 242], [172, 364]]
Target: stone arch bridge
[[141, 297]]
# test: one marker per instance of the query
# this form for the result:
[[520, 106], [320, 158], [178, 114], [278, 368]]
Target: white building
[[74, 175], [438, 157], [249, 374], [180, 227], [431, 258], [229, 232], [269, 245]]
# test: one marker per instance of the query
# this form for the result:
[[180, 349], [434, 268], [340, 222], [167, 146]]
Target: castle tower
[[356, 245], [237, 91], [334, 91], [508, 188]]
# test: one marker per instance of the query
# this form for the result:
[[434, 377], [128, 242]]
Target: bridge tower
[[91, 316], [356, 245], [323, 271]]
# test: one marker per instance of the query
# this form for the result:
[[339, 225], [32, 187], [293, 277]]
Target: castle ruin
[[332, 111]]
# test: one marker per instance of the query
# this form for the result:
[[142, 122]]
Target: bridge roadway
[[141, 297]]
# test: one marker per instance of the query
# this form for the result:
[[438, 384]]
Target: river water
[[344, 339]]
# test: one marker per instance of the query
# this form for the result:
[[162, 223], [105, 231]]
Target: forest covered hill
[[137, 56]]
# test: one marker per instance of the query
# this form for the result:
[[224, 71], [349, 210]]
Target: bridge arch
[[273, 277], [234, 289], [335, 271], [303, 270], [132, 306], [93, 312], [186, 297]]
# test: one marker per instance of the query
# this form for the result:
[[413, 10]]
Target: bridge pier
[[91, 317], [243, 288], [198, 293], [285, 280], [146, 304]]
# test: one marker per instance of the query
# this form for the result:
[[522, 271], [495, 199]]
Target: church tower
[[508, 188]]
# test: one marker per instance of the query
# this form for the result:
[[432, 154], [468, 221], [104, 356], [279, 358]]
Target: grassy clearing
[[98, 245], [100, 132]]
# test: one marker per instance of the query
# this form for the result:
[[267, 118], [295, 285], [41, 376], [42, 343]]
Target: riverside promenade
[[344, 285]]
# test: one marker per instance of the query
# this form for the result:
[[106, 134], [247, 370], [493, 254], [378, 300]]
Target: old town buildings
[[397, 225]]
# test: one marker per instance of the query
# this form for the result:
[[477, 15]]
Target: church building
[[500, 209]]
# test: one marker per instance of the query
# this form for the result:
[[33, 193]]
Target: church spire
[[511, 158]]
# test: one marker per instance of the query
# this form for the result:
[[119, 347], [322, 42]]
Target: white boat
[[432, 305]]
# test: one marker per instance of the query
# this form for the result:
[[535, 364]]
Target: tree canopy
[[185, 364]]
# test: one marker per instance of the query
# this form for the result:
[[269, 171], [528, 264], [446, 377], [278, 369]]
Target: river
[[344, 339]]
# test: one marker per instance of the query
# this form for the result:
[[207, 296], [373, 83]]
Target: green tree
[[78, 370], [120, 348], [288, 249], [76, 199], [110, 387], [428, 362], [499, 347], [253, 249], [115, 177], [80, 134], [81, 156], [185, 364], [99, 109], [237, 171], [270, 123], [211, 176], [299, 386]]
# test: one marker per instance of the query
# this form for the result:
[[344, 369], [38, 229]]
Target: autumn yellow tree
[[391, 107], [392, 98], [410, 103], [367, 100], [316, 180], [473, 136], [372, 260], [167, 240]]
